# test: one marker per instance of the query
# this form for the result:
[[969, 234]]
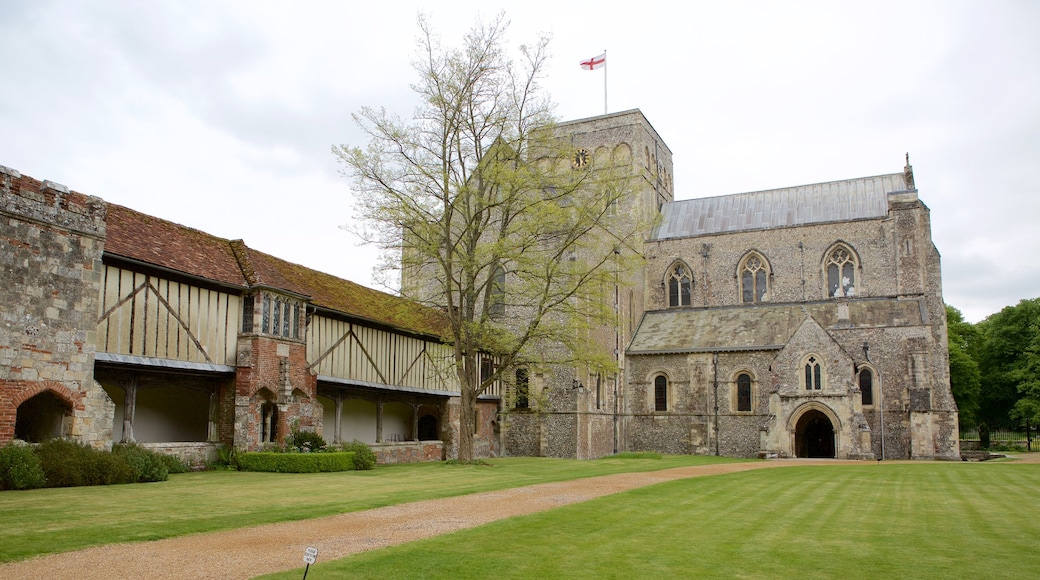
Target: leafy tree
[[1027, 408], [1009, 358], [479, 202], [965, 378]]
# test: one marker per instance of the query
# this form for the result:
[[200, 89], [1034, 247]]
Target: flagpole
[[605, 81]]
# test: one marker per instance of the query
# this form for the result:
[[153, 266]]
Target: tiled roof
[[148, 239], [862, 198], [760, 327], [151, 240]]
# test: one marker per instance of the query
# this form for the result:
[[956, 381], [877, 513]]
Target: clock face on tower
[[581, 158]]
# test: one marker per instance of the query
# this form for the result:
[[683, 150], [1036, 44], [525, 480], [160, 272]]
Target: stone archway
[[41, 417], [814, 435]]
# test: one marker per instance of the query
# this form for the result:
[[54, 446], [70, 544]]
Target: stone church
[[806, 321]]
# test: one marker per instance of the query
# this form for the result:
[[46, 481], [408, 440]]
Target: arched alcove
[[40, 418]]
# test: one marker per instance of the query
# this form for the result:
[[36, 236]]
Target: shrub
[[983, 436], [227, 458], [295, 462], [20, 468], [174, 464], [67, 464], [145, 464], [304, 441], [364, 457]]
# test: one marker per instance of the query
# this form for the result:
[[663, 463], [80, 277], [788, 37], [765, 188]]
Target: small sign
[[310, 555]]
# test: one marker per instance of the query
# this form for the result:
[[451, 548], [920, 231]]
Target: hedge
[[296, 462]]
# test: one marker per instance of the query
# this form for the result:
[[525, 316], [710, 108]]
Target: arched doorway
[[40, 418], [814, 435], [428, 428]]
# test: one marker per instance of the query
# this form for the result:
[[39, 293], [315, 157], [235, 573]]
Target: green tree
[[1027, 408], [1008, 361], [491, 217], [965, 378]]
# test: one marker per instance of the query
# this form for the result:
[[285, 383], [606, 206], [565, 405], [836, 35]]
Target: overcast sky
[[221, 115]]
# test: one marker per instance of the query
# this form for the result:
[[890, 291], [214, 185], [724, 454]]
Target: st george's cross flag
[[595, 62]]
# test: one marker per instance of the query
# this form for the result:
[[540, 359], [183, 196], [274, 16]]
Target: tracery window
[[866, 386], [680, 283], [813, 374], [841, 272], [660, 393], [280, 317], [743, 392], [754, 279]]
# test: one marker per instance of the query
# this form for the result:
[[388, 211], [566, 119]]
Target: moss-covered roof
[[343, 296]]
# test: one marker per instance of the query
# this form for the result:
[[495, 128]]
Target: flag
[[595, 62]]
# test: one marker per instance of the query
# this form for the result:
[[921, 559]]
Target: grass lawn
[[46, 521], [922, 520]]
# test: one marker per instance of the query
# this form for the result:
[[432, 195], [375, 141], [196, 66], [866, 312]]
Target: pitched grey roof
[[862, 198], [763, 326]]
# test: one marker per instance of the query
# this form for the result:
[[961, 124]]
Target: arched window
[[813, 373], [522, 401], [841, 272], [743, 392], [866, 386], [754, 279], [680, 283], [660, 393]]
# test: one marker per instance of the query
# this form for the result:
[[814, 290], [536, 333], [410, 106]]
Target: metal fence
[[1024, 437]]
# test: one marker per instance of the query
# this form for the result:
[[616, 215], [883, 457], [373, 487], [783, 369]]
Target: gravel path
[[248, 552]]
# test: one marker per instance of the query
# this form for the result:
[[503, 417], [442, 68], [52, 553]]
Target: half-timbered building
[[120, 326]]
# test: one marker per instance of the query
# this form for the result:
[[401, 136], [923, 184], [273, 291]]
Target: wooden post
[[129, 406], [379, 421], [337, 438]]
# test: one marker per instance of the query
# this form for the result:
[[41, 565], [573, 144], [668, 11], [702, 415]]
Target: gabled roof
[[834, 201], [762, 326], [150, 240]]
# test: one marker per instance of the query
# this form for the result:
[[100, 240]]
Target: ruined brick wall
[[51, 242]]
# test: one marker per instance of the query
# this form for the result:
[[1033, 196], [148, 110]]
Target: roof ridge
[[241, 253]]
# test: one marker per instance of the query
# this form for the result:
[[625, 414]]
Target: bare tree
[[492, 215]]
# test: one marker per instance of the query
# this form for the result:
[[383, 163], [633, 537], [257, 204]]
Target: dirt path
[[248, 552]]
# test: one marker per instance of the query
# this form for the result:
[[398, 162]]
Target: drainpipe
[[715, 366]]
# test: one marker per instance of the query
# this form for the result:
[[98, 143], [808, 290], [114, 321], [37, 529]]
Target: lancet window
[[754, 279], [680, 285], [841, 272]]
